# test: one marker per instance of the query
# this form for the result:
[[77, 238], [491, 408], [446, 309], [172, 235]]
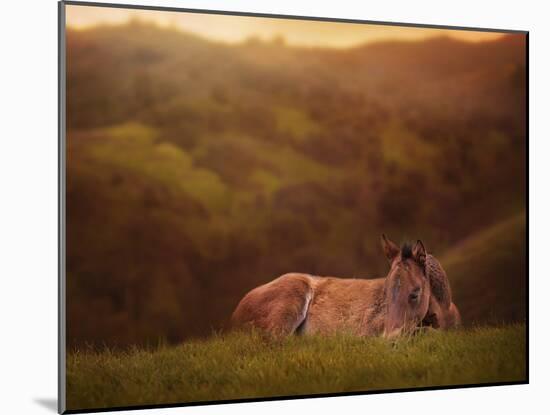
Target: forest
[[197, 170]]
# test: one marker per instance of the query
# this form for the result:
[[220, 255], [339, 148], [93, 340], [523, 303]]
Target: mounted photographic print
[[258, 207]]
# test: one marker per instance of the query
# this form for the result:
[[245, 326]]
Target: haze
[[236, 29]]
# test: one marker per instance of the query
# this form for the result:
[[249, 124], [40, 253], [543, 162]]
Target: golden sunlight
[[235, 29]]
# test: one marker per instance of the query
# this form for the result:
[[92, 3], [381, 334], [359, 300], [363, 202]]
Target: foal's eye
[[413, 297]]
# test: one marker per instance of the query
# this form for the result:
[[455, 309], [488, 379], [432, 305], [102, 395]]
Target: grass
[[241, 365]]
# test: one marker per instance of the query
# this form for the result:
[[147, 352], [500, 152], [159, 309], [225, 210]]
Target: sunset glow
[[235, 29]]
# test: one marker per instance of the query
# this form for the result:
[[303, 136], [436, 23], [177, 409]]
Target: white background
[[28, 204]]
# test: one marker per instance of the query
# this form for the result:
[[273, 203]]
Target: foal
[[416, 292]]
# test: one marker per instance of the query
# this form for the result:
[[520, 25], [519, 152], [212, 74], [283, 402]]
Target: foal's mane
[[439, 283]]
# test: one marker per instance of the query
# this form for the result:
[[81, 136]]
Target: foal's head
[[407, 288]]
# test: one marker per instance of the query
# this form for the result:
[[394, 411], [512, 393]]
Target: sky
[[236, 29]]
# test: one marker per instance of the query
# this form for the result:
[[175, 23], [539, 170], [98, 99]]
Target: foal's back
[[302, 303], [351, 305]]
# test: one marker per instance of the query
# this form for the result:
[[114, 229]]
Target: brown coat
[[307, 304]]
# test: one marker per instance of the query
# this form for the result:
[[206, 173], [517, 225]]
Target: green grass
[[245, 366]]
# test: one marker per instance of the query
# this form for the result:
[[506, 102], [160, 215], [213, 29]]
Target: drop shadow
[[48, 403]]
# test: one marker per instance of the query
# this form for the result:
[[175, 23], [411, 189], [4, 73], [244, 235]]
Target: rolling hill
[[197, 170], [488, 273]]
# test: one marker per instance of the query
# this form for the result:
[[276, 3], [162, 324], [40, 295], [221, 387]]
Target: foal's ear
[[419, 252], [391, 250]]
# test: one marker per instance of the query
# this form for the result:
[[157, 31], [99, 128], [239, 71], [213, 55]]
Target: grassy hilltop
[[243, 366]]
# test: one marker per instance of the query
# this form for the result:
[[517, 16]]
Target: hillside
[[198, 170], [488, 273]]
